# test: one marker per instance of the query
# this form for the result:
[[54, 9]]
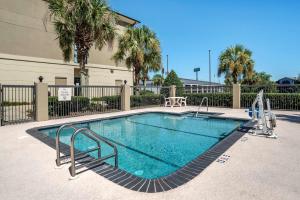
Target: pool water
[[153, 145]]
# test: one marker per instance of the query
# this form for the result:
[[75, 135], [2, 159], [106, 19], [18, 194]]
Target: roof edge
[[120, 14]]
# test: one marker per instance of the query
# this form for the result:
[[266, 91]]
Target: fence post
[[125, 98], [236, 96], [172, 90], [1, 107], [41, 101]]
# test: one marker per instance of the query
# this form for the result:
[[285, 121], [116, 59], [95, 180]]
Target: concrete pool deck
[[258, 168]]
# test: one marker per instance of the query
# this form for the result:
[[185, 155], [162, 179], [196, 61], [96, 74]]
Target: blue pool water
[[153, 145]]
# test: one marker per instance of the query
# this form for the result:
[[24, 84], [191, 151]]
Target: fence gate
[[17, 104]]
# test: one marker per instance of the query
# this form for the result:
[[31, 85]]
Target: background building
[[29, 49], [288, 80], [188, 84], [191, 82]]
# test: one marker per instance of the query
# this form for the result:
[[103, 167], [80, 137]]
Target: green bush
[[214, 99], [14, 103], [107, 102], [146, 100], [64, 108], [270, 88], [146, 92], [286, 101]]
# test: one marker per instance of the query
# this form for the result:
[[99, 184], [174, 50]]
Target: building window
[[60, 81], [118, 82]]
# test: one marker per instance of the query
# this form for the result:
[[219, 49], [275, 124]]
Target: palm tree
[[140, 48], [158, 80], [235, 62], [258, 78], [82, 23]]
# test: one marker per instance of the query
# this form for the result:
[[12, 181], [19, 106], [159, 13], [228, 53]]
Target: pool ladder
[[204, 98], [75, 155]]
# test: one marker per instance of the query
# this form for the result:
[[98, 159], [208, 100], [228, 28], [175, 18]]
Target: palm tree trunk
[[83, 73], [234, 79], [136, 78]]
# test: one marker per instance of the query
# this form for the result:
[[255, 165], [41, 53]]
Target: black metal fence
[[17, 104], [18, 101], [218, 95], [149, 88], [271, 88], [141, 97], [282, 97], [84, 100]]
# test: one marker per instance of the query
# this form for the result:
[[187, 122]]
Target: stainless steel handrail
[[204, 98], [91, 134], [57, 143]]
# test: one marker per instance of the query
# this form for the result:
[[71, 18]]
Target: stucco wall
[[29, 49], [25, 31], [26, 70]]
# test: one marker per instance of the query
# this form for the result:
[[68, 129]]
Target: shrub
[[214, 99], [107, 101], [14, 103], [146, 92], [286, 101], [64, 108], [146, 100]]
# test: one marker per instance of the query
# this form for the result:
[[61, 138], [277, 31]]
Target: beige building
[[29, 49]]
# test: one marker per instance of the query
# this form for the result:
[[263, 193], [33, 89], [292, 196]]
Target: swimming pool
[[154, 145]]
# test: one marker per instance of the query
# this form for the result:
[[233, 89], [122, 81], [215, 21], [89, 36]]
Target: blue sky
[[188, 29]]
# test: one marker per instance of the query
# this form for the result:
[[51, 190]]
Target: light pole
[[209, 65], [167, 64]]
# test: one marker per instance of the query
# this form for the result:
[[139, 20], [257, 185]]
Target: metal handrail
[[204, 98], [91, 134], [57, 143]]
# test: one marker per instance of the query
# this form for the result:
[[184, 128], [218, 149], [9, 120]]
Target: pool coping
[[165, 183]]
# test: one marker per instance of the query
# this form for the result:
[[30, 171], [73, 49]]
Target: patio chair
[[167, 102], [183, 101]]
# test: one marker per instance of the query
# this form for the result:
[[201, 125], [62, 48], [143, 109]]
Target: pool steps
[[79, 159]]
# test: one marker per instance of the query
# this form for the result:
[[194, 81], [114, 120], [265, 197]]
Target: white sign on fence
[[64, 94]]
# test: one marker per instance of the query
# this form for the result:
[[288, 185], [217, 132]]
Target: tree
[[258, 78], [235, 62], [82, 23], [172, 79], [145, 77], [158, 80], [140, 48]]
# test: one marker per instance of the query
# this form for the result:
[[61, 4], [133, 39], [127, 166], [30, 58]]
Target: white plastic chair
[[167, 102], [183, 101]]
